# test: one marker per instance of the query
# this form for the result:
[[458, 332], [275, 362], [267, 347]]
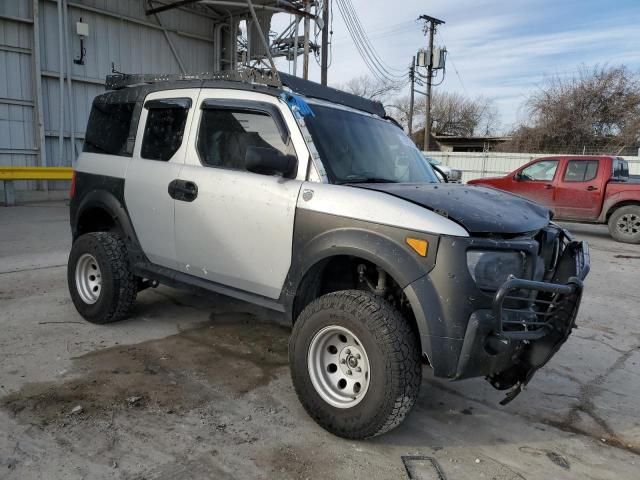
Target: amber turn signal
[[420, 246]]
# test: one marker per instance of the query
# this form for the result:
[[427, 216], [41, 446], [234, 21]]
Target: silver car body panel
[[146, 189], [376, 207], [239, 230], [102, 164]]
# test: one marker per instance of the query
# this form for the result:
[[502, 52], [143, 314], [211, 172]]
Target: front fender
[[319, 237]]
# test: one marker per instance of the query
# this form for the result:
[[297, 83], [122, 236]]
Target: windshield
[[357, 148]]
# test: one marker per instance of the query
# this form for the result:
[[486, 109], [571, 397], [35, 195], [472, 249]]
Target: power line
[[366, 40], [356, 42], [455, 69], [366, 50]]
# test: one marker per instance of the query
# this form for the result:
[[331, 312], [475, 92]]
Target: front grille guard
[[530, 310]]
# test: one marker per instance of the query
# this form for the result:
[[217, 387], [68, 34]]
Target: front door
[[536, 181], [238, 229]]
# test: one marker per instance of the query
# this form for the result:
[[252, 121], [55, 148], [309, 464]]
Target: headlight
[[490, 269]]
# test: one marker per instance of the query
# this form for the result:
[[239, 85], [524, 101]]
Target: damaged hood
[[478, 209]]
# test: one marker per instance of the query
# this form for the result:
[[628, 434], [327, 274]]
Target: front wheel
[[355, 364], [624, 224]]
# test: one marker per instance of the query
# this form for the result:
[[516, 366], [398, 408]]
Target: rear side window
[[108, 128], [581, 170], [620, 169], [226, 134], [164, 130]]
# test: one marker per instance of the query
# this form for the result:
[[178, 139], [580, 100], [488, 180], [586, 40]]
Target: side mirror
[[518, 177], [445, 179], [269, 161]]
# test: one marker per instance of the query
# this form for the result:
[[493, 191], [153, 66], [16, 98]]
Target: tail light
[[72, 189]]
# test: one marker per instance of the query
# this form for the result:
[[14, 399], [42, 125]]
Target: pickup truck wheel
[[355, 364], [624, 224], [101, 284]]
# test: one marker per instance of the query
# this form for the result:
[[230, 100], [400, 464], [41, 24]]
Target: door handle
[[183, 190], [591, 188], [548, 187]]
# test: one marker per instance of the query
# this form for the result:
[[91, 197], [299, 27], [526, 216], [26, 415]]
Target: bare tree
[[451, 114], [369, 87], [597, 109]]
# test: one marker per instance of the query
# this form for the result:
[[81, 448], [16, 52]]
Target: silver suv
[[310, 202]]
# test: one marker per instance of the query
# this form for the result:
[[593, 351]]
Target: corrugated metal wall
[[119, 32]]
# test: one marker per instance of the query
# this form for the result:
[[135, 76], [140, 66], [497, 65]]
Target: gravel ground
[[198, 387]]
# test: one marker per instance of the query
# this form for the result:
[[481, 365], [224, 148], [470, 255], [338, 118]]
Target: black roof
[[134, 88]]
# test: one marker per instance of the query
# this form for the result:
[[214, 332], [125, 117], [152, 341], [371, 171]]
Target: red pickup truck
[[581, 189]]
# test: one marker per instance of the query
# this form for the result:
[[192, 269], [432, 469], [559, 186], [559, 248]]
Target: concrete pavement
[[198, 387]]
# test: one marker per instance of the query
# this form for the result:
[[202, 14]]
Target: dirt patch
[[231, 354]]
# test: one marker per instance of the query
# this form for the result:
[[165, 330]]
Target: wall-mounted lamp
[[82, 30]]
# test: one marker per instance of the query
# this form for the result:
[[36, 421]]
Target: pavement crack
[[7, 272]]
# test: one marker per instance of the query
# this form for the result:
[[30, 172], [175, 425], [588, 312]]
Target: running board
[[175, 279]]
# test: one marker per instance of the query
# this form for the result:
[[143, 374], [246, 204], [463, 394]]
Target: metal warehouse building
[[55, 54]]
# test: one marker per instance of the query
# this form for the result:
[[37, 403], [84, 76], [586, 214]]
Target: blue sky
[[500, 49]]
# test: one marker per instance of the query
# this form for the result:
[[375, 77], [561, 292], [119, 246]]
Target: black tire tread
[[403, 358], [124, 281], [613, 220]]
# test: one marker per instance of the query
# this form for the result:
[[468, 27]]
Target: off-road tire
[[392, 347], [119, 285], [630, 211]]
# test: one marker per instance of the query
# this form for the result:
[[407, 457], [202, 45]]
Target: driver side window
[[544, 170]]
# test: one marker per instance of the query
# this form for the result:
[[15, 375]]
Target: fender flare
[[108, 202], [611, 204], [397, 260]]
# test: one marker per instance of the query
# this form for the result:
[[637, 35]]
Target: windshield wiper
[[366, 180]]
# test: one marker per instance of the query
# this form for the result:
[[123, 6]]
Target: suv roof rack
[[118, 81], [252, 77]]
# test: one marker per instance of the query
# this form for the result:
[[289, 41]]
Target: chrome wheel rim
[[629, 224], [339, 367], [88, 279]]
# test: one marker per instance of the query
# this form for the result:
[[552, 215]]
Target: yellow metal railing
[[10, 174], [35, 173]]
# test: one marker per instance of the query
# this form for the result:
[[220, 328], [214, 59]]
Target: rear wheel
[[101, 284], [624, 224], [355, 364]]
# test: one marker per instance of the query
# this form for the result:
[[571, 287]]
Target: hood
[[483, 180], [478, 209]]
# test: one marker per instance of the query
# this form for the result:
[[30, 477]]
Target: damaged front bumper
[[504, 335], [539, 314]]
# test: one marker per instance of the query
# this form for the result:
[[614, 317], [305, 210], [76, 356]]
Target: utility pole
[[307, 33], [324, 61], [412, 77], [430, 23]]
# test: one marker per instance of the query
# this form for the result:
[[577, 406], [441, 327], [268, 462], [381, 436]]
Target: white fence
[[491, 164]]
